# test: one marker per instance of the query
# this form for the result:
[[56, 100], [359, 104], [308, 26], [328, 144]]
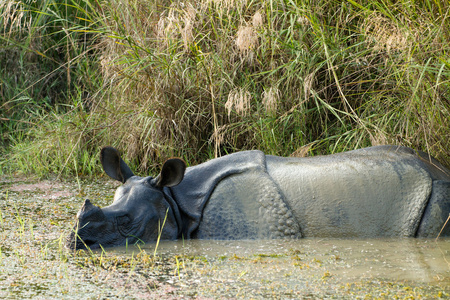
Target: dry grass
[[270, 99], [13, 17], [202, 79], [386, 35], [239, 100]]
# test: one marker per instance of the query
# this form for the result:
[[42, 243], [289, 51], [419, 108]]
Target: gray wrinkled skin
[[374, 192]]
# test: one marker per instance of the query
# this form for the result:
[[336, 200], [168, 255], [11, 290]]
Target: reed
[[201, 79]]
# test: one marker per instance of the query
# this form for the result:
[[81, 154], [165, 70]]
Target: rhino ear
[[171, 174], [113, 165]]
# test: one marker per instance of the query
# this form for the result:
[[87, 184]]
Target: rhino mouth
[[90, 244], [74, 242]]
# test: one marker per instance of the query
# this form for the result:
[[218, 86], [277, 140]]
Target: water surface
[[35, 217], [417, 260]]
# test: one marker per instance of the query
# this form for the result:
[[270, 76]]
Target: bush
[[200, 79]]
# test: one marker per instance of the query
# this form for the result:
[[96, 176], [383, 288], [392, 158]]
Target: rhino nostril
[[89, 242]]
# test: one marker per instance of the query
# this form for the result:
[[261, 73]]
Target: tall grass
[[48, 72], [200, 79]]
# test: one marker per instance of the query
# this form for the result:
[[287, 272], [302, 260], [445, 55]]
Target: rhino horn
[[88, 210]]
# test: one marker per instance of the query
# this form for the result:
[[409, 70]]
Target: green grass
[[202, 79]]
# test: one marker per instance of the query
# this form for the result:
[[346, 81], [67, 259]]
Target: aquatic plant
[[35, 264]]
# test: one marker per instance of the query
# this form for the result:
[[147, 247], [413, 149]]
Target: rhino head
[[139, 209]]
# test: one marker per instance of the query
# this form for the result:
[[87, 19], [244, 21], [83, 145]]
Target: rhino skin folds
[[382, 191]]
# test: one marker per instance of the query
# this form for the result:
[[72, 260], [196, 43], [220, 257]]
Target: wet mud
[[36, 216]]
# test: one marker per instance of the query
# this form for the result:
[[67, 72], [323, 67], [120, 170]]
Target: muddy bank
[[36, 216]]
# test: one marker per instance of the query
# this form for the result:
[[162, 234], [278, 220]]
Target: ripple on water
[[36, 216]]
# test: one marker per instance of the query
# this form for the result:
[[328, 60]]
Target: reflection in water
[[418, 260], [35, 218]]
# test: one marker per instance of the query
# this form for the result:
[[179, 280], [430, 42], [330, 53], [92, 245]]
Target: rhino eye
[[123, 220], [149, 181], [124, 225]]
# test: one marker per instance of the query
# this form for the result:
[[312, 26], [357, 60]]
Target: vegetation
[[199, 79]]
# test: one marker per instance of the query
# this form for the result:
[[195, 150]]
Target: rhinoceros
[[381, 191]]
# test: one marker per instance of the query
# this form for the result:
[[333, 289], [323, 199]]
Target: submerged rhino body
[[379, 191]]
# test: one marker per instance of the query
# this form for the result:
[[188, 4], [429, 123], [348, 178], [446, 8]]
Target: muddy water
[[405, 259], [35, 216]]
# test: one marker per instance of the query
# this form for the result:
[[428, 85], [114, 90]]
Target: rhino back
[[233, 197], [378, 191]]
